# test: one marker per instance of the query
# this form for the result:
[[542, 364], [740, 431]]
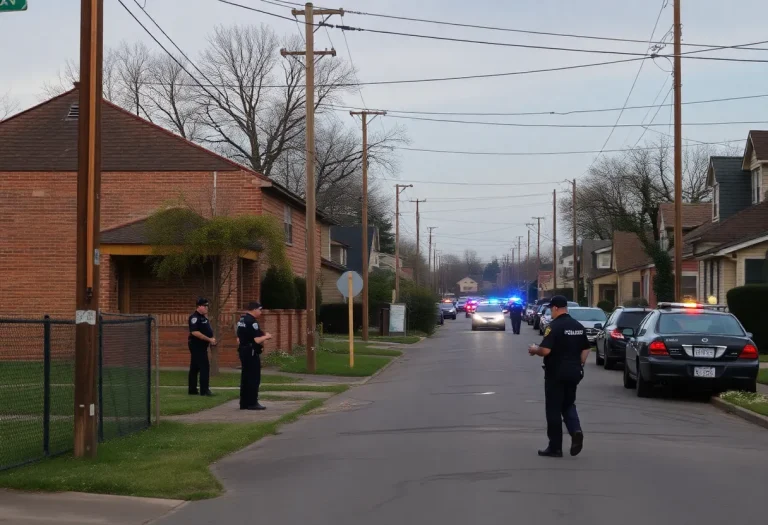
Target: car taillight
[[658, 348], [748, 352], [616, 334]]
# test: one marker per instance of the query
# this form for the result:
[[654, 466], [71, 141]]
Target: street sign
[[13, 5], [396, 319], [343, 284]]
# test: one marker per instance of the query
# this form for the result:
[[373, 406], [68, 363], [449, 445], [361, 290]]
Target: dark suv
[[610, 341]]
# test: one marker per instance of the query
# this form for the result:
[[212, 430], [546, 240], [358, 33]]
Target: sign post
[[350, 284], [13, 5]]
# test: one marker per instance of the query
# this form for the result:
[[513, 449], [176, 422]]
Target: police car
[[693, 345]]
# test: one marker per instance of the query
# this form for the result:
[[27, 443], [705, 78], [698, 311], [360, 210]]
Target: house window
[[288, 224], [689, 287], [663, 241], [603, 260], [756, 186], [756, 271], [635, 289], [716, 203]]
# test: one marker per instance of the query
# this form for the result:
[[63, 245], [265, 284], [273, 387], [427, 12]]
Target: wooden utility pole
[[554, 239], [518, 261], [88, 208], [309, 13], [399, 188], [678, 30], [528, 226], [364, 214], [418, 246], [429, 256], [538, 252], [575, 252]]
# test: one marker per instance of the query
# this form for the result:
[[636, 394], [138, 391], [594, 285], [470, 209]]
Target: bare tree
[[70, 73], [8, 106], [134, 65], [172, 96], [254, 108], [472, 263]]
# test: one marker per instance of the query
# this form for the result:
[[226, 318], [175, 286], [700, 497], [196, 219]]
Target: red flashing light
[[658, 348], [749, 352], [616, 334]]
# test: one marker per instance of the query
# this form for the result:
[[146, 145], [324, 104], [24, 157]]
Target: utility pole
[[309, 54], [575, 252], [538, 252], [364, 214], [418, 246], [88, 218], [528, 226], [429, 256], [554, 240], [399, 188], [678, 158], [518, 261]]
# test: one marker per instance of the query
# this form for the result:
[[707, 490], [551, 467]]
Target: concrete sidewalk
[[75, 508]]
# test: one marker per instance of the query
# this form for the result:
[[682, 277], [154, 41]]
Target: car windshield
[[446, 306], [698, 322], [547, 312], [631, 319], [486, 308], [588, 314], [542, 308]]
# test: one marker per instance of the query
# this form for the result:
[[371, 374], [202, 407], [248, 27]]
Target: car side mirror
[[628, 332], [599, 326], [749, 334]]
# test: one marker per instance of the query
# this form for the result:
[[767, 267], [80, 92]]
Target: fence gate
[[37, 368]]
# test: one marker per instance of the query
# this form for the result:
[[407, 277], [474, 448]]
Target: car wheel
[[598, 359], [751, 387], [608, 364], [642, 387], [628, 381], [504, 328], [474, 329]]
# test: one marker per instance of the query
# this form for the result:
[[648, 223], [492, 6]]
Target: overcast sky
[[38, 42]]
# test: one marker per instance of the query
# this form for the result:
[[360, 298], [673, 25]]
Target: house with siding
[[143, 168], [595, 261]]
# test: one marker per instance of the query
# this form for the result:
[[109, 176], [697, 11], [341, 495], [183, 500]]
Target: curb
[[380, 370], [743, 413]]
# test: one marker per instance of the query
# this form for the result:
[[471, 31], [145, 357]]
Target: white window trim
[[744, 268], [601, 267], [288, 221], [757, 184], [716, 203]]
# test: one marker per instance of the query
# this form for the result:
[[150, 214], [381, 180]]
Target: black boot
[[549, 453], [577, 442]]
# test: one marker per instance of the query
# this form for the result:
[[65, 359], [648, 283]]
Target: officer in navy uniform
[[250, 339], [565, 349], [516, 316], [200, 336]]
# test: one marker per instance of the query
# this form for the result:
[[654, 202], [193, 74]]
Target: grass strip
[[335, 365], [757, 403], [332, 389], [170, 460], [179, 378], [342, 347], [762, 376]]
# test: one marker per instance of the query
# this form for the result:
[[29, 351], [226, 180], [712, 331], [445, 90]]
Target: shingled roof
[[628, 252], [694, 214], [746, 225], [757, 142], [44, 138]]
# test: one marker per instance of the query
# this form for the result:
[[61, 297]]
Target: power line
[[485, 197], [576, 126], [443, 183], [546, 153]]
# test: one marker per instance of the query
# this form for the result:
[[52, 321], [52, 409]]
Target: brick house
[[143, 167]]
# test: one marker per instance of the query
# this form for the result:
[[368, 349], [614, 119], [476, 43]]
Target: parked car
[[489, 316], [544, 320], [537, 316], [439, 314], [530, 309], [610, 342], [470, 307], [592, 319], [449, 311], [460, 304], [690, 345]]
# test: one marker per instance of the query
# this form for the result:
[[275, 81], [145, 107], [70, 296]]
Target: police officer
[[565, 349], [516, 316], [250, 339], [200, 336]]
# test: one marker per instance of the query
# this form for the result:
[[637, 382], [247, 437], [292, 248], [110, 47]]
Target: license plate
[[704, 352], [701, 371]]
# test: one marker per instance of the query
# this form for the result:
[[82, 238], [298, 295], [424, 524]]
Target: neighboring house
[[694, 215], [467, 285], [339, 253], [330, 272], [387, 262], [565, 268], [143, 167], [589, 268], [352, 238], [545, 278]]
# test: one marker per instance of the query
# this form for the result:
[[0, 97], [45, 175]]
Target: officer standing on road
[[200, 336], [565, 349], [516, 316], [250, 339]]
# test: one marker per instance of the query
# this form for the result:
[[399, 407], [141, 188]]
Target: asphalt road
[[448, 435]]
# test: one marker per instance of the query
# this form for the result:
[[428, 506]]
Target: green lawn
[[754, 402], [762, 376], [179, 378], [176, 401], [764, 358], [167, 461], [338, 347], [333, 389], [336, 365], [402, 339]]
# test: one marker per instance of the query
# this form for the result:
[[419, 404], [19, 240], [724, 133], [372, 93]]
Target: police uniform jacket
[[566, 338], [199, 323], [247, 330]]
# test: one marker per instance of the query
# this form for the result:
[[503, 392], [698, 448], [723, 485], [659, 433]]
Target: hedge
[[744, 302], [278, 291], [301, 294], [637, 302], [420, 308], [335, 317], [606, 306]]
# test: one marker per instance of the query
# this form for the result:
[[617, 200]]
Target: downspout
[[213, 200]]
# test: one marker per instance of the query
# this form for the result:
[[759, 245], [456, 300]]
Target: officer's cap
[[559, 301], [202, 301], [254, 305]]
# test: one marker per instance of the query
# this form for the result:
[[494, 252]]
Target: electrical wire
[[575, 126], [444, 183], [484, 197]]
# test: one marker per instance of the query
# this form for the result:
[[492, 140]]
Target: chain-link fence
[[37, 371]]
